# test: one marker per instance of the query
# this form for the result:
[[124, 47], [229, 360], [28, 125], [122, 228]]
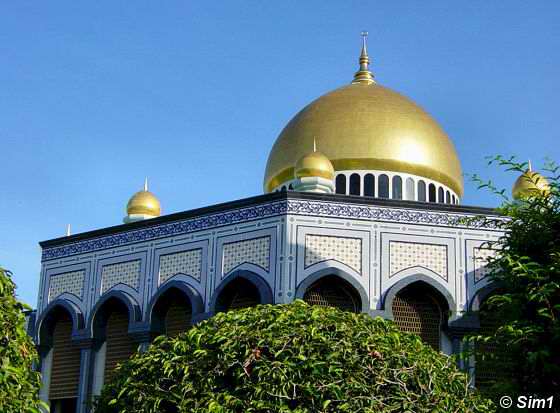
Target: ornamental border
[[297, 207]]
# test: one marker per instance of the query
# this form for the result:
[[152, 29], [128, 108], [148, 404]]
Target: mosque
[[362, 210]]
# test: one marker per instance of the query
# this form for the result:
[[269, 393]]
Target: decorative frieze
[[127, 273], [346, 250], [292, 206], [254, 251], [403, 255], [480, 258], [68, 282], [184, 262]]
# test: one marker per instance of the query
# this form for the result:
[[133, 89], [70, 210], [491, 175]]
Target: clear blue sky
[[96, 96]]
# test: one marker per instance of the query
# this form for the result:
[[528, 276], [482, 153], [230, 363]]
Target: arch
[[432, 193], [397, 187], [291, 187], [348, 279], [441, 198], [421, 191], [419, 308], [283, 189], [369, 185], [409, 192], [355, 184], [159, 304], [45, 324], [383, 186], [101, 310], [453, 199], [395, 288], [243, 278], [481, 295], [447, 197], [340, 184]]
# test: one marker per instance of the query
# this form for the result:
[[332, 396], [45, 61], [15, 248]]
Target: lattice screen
[[416, 312], [487, 371], [119, 344], [65, 370], [327, 293], [178, 317]]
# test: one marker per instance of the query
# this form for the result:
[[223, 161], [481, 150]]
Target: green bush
[[291, 358], [19, 384], [526, 307]]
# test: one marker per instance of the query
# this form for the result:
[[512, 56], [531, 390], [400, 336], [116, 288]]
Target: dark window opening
[[341, 184], [383, 186], [354, 184]]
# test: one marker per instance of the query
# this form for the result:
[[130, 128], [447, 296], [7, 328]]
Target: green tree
[[19, 384], [526, 307], [291, 358]]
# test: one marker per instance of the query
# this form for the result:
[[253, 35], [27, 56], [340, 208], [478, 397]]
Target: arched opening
[[65, 367], [397, 187], [333, 291], [369, 185], [239, 293], [291, 187], [111, 326], [409, 193], [172, 313], [383, 190], [354, 184], [420, 309], [447, 197], [421, 191], [432, 193], [283, 189], [491, 363], [440, 195], [340, 184]]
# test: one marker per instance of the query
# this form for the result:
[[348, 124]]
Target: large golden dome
[[366, 126]]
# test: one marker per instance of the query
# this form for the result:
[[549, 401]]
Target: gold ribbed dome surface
[[144, 203], [314, 164], [528, 184], [367, 126], [370, 127]]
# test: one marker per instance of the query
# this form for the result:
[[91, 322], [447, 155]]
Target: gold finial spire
[[364, 75], [68, 230], [146, 184], [314, 145], [530, 167]]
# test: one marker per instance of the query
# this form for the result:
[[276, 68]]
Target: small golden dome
[[144, 203], [365, 126], [528, 184], [314, 164]]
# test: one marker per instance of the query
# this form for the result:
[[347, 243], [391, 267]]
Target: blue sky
[[96, 96]]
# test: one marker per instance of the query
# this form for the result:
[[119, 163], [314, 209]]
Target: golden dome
[[529, 183], [314, 164], [370, 127], [144, 203]]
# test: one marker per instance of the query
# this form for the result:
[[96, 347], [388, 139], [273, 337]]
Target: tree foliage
[[291, 358], [527, 303], [19, 384]]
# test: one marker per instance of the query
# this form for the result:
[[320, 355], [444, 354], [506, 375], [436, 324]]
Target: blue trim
[[337, 272], [134, 313], [264, 290], [411, 279], [45, 319]]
